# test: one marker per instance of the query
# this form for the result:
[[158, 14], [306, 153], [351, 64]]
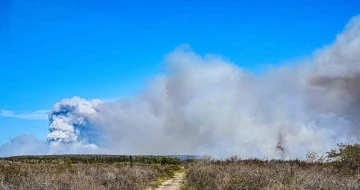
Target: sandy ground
[[173, 183]]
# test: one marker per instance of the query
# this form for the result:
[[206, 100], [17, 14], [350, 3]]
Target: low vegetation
[[72, 172], [90, 159], [339, 169], [265, 175]]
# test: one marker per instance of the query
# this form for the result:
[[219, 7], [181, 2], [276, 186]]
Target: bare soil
[[173, 183]]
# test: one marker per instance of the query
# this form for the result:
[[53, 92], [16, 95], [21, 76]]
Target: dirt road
[[173, 183]]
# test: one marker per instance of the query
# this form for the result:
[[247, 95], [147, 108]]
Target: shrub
[[345, 158], [17, 175], [264, 174], [314, 157]]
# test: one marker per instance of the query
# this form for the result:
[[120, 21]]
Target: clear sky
[[54, 49]]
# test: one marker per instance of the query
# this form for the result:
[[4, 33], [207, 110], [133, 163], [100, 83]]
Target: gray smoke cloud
[[24, 145], [208, 105]]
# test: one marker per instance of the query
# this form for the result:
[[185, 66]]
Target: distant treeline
[[88, 159]]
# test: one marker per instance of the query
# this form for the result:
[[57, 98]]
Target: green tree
[[346, 158]]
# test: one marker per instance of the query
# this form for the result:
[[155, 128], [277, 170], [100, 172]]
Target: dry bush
[[256, 174], [22, 176]]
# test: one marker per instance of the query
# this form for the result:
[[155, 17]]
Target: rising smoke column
[[208, 105], [70, 122]]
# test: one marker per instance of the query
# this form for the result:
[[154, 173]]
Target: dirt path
[[173, 183]]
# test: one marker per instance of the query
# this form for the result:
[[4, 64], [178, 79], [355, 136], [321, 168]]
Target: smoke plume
[[68, 122], [208, 105]]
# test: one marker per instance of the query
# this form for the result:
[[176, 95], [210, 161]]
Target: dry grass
[[16, 175], [214, 175]]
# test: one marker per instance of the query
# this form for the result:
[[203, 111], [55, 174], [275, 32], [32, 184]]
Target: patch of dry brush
[[257, 174], [22, 176]]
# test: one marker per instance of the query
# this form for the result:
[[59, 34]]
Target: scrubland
[[339, 169], [63, 174], [256, 174]]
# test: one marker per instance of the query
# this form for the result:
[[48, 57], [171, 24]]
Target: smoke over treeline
[[207, 105]]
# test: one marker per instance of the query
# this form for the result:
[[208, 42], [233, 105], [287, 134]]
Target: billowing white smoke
[[68, 118], [207, 105]]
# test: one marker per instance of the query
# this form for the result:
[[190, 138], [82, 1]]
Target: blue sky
[[51, 50]]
